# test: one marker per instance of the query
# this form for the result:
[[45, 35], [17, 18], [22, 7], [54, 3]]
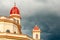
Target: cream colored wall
[[1, 27], [15, 29], [34, 35], [8, 26], [6, 39]]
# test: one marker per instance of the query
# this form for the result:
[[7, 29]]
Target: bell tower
[[15, 13], [36, 33]]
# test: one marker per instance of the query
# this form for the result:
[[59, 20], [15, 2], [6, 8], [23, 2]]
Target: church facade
[[10, 27]]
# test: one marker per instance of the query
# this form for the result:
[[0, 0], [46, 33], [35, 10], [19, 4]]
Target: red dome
[[14, 10], [36, 27]]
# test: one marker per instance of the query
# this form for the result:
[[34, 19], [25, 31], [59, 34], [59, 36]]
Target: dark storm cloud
[[48, 21], [49, 25]]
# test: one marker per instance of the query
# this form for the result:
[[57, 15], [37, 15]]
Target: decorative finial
[[14, 4], [36, 25]]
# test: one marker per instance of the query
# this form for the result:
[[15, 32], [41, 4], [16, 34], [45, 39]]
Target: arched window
[[14, 32], [37, 36], [8, 31]]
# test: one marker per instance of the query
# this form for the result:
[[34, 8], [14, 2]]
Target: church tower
[[15, 14], [36, 33]]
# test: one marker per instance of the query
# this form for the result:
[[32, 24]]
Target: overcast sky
[[44, 13]]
